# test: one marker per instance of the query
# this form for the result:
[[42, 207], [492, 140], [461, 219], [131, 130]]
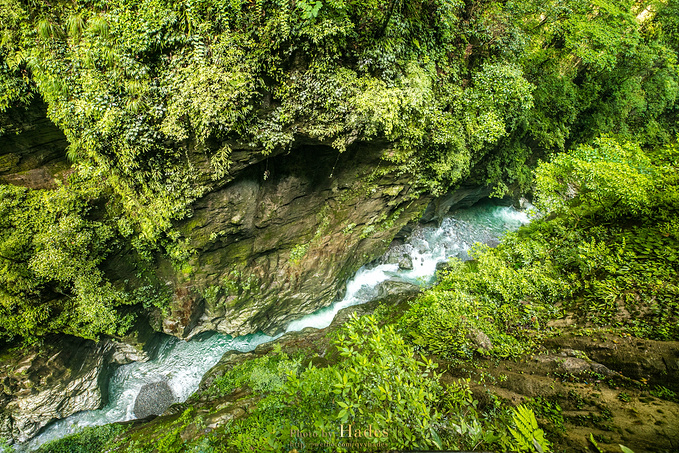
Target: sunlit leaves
[[610, 178], [378, 383]]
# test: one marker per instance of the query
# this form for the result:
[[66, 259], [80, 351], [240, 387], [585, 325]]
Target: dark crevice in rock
[[33, 151]]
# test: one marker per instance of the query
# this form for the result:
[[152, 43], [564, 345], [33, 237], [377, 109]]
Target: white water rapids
[[182, 364]]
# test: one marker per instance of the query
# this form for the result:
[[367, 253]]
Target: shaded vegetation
[[155, 98], [602, 252], [373, 383], [89, 440], [49, 251]]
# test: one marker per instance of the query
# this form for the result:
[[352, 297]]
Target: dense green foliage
[[89, 440], [607, 249], [157, 95], [49, 251], [155, 98], [375, 384], [616, 219], [358, 391]]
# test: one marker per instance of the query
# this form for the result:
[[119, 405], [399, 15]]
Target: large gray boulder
[[153, 399], [394, 286]]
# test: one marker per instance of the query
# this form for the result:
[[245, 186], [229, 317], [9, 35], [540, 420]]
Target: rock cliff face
[[280, 240], [275, 239], [65, 376], [32, 150]]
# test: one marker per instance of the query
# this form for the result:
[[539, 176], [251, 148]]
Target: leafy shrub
[[608, 249], [376, 385], [50, 250], [89, 440], [263, 374], [527, 435]]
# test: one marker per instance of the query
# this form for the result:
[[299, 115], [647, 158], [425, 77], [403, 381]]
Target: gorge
[[187, 187], [183, 364]]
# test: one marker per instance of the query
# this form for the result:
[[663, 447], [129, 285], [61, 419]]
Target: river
[[182, 364]]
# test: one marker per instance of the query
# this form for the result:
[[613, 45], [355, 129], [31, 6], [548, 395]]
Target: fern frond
[[75, 25], [528, 435]]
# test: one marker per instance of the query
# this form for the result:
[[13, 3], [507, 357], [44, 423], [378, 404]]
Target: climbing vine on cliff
[[143, 88]]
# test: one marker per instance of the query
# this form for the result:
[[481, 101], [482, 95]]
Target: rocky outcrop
[[275, 238], [308, 340], [613, 388], [396, 287], [462, 197], [651, 361], [64, 376], [153, 399], [280, 240], [572, 363], [32, 149]]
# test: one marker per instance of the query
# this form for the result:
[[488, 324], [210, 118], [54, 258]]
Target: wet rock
[[65, 376], [399, 254], [479, 339], [442, 266], [393, 255], [492, 242], [396, 287], [572, 365], [406, 263], [124, 353], [524, 203], [463, 255], [257, 241], [153, 399], [462, 197]]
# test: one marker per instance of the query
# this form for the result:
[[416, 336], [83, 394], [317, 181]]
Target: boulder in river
[[153, 399], [396, 287], [406, 263]]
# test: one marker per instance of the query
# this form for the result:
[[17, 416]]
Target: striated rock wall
[[63, 376], [281, 239], [275, 238], [32, 149]]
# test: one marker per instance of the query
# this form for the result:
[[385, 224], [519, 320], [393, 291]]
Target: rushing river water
[[182, 364]]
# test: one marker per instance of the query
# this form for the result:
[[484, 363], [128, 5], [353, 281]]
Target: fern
[[75, 25], [99, 26], [48, 30], [527, 435], [594, 443]]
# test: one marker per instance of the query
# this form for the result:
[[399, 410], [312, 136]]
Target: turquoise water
[[182, 364]]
